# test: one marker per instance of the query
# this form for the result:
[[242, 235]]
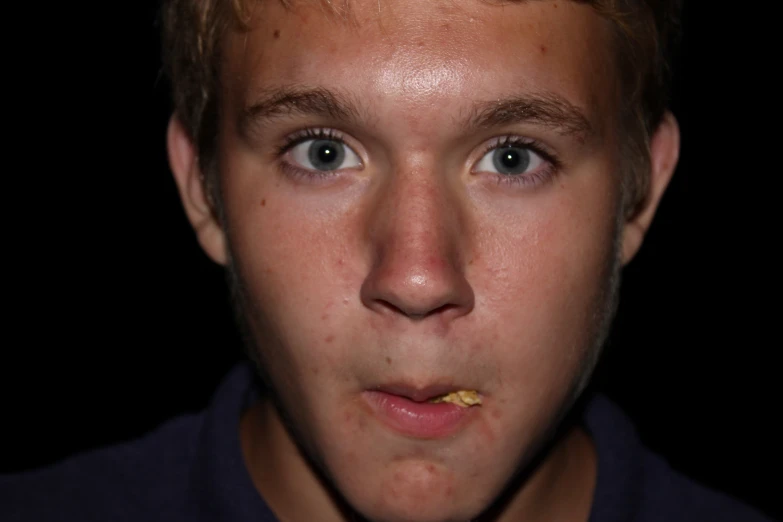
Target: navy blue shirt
[[191, 469]]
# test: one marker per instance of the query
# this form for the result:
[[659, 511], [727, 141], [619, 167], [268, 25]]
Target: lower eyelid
[[533, 179]]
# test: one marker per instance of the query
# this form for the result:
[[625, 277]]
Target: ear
[[187, 173], [664, 153]]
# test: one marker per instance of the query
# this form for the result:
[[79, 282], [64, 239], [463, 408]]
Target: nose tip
[[417, 290]]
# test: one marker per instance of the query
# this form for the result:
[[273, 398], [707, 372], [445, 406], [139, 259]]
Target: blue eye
[[509, 160], [324, 155]]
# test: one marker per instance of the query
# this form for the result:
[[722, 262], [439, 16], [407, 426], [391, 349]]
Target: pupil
[[511, 160], [326, 154]]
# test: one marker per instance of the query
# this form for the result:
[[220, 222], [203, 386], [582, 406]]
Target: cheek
[[291, 252], [543, 275]]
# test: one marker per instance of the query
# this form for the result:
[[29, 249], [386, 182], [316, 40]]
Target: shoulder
[[637, 485], [141, 478], [671, 496]]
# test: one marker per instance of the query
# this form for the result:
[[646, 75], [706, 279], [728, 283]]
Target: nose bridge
[[414, 235], [414, 219]]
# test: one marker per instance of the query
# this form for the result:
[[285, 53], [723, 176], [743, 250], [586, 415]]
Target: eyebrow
[[298, 101], [549, 110]]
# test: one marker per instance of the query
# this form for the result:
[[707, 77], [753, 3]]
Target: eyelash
[[546, 174], [308, 134]]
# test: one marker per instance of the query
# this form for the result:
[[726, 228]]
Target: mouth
[[434, 394], [432, 412]]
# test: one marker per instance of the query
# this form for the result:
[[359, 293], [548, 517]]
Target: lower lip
[[422, 420]]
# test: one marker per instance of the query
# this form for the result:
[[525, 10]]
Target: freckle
[[315, 370], [263, 202], [324, 317], [476, 347], [430, 468], [276, 34], [329, 339], [445, 27], [388, 360]]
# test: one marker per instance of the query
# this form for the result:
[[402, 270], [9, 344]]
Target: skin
[[413, 265]]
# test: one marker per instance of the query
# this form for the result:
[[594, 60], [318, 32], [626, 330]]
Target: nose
[[416, 235]]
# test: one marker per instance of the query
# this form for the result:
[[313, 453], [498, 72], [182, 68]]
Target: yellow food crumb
[[462, 398]]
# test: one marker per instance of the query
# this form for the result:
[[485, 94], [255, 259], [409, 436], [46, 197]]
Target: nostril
[[441, 310], [416, 314]]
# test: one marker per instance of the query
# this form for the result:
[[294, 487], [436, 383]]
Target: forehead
[[426, 54]]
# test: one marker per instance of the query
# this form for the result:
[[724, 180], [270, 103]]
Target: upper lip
[[417, 393]]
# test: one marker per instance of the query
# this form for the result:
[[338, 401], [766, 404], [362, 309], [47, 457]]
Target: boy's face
[[421, 198]]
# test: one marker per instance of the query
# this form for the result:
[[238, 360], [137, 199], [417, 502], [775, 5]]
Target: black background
[[116, 321]]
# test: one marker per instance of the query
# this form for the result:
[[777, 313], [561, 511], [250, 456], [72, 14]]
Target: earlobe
[[184, 164], [664, 154]]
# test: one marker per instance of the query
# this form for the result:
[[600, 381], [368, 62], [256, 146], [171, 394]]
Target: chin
[[414, 508], [418, 490]]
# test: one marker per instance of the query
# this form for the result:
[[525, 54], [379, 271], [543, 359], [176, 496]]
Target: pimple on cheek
[[329, 339]]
